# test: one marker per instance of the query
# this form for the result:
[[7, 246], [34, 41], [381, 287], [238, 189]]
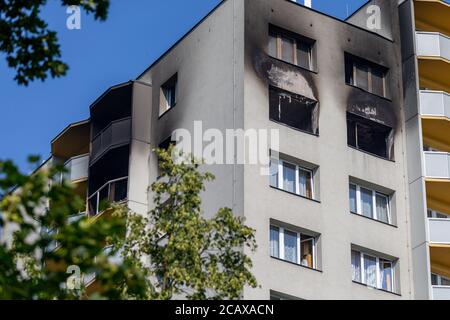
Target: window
[[292, 246], [369, 203], [168, 94], [438, 280], [291, 178], [366, 75], [369, 136], [291, 48], [437, 214], [373, 271], [293, 110]]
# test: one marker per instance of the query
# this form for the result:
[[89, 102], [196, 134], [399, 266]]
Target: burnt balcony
[[113, 191], [116, 134]]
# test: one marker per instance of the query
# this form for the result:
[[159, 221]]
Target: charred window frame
[[168, 95], [366, 75], [292, 48], [165, 144], [293, 110], [370, 136]]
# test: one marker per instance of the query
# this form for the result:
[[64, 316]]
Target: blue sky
[[99, 55]]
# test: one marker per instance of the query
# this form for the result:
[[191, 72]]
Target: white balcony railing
[[439, 230], [115, 134], [435, 103], [77, 168], [441, 292], [437, 165], [433, 44], [112, 191]]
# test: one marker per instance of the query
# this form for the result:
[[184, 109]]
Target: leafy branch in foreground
[[31, 48], [187, 254]]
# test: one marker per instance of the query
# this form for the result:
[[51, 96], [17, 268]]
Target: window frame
[[279, 34], [281, 247], [372, 68], [298, 168], [374, 203], [378, 271], [439, 280], [171, 85]]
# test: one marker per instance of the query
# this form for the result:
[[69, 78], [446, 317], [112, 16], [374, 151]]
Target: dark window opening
[[366, 75], [291, 47], [168, 94], [369, 136], [293, 110]]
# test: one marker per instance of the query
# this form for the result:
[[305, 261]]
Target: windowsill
[[315, 71], [366, 91], [372, 219], [294, 128], [296, 264], [167, 111], [295, 194], [378, 289], [371, 154]]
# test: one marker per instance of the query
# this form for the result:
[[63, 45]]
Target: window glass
[[290, 246], [274, 242], [434, 280], [274, 173], [273, 45], [378, 82], [370, 270], [445, 281], [382, 208], [287, 49], [356, 266], [305, 184], [352, 199], [289, 177], [307, 251], [303, 55], [362, 76], [386, 273], [366, 203]]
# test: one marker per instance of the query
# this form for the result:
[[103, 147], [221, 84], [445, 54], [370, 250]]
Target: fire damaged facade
[[338, 216]]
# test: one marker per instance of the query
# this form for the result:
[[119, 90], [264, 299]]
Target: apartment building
[[425, 27], [343, 211]]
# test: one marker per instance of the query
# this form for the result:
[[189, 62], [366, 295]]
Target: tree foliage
[[174, 251], [189, 255], [31, 48], [28, 270]]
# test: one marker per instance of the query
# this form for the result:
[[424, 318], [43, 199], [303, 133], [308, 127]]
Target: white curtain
[[274, 242], [356, 266], [290, 246], [382, 208], [370, 270]]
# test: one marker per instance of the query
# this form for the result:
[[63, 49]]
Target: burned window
[[168, 94], [293, 110], [366, 75], [291, 47], [369, 136]]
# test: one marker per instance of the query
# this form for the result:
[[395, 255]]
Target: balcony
[[432, 15], [437, 165], [76, 168], [113, 191], [441, 292], [439, 230], [433, 44], [435, 103], [116, 134], [433, 50]]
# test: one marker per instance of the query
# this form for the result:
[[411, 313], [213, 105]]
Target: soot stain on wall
[[372, 107]]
